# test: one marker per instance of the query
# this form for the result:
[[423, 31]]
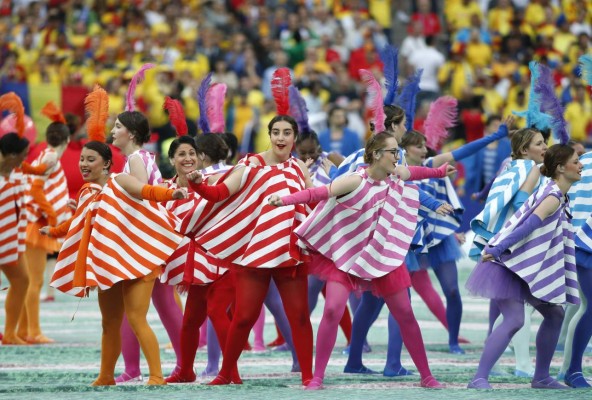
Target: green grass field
[[65, 369]]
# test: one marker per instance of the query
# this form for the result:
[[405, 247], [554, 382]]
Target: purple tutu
[[391, 283], [493, 281]]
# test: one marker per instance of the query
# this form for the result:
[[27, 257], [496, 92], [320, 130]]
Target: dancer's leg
[[422, 284], [521, 344], [15, 298], [365, 315], [36, 262], [130, 350], [274, 304], [447, 275], [315, 285], [547, 336], [171, 316], [259, 343], [214, 352]]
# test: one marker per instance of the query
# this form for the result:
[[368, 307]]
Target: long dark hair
[[137, 124], [556, 155]]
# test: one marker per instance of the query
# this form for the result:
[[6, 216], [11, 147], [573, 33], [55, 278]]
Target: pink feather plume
[[130, 102], [215, 107], [441, 117], [375, 99]]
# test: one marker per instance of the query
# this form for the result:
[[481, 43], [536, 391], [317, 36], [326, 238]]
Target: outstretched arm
[[142, 191], [339, 187]]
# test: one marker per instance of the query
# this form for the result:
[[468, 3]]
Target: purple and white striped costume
[[154, 176], [317, 174], [544, 260], [367, 232]]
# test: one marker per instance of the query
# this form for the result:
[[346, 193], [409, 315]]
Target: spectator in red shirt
[[428, 18]]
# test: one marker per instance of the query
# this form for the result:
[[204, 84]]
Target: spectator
[[413, 42], [338, 138], [428, 20], [578, 115], [430, 60]]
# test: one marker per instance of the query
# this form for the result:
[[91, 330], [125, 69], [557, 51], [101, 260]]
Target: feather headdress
[[51, 111], [130, 102], [176, 115], [215, 107], [298, 109], [202, 123], [280, 82], [550, 104], [534, 117], [96, 106], [441, 117], [389, 55], [408, 96], [375, 101], [12, 103]]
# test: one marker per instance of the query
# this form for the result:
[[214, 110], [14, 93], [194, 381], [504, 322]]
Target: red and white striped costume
[[190, 264], [243, 229], [56, 192], [366, 233], [13, 218], [66, 278]]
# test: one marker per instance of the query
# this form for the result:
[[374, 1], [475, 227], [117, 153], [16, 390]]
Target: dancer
[[48, 205], [99, 250], [531, 259], [263, 245], [357, 262], [13, 151]]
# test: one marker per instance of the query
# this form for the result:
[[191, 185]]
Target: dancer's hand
[[445, 209], [179, 194], [450, 170], [487, 257], [44, 231], [327, 164], [309, 162], [195, 177], [275, 200]]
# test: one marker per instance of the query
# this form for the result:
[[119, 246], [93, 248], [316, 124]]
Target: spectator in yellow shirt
[[578, 115], [500, 18], [563, 38], [456, 74], [459, 15], [478, 53]]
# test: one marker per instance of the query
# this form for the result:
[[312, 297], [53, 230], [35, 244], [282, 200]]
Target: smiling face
[[282, 139], [121, 135], [185, 159], [91, 165], [387, 158], [308, 148], [572, 170], [536, 149]]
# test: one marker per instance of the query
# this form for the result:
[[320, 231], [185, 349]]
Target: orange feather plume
[[51, 111], [96, 105], [11, 102]]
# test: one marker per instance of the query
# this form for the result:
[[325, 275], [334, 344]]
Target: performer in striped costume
[[257, 240], [532, 259], [130, 133], [384, 212], [580, 327], [47, 204], [13, 151]]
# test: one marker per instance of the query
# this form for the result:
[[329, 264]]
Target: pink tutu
[[493, 281], [391, 283]]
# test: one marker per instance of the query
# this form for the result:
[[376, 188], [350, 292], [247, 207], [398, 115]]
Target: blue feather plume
[[201, 101], [586, 68], [298, 108], [550, 104], [389, 55], [534, 117], [407, 98]]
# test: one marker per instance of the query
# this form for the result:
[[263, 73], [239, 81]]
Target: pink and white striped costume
[[366, 233]]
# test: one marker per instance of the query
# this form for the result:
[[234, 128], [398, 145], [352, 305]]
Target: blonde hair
[[374, 144], [521, 140]]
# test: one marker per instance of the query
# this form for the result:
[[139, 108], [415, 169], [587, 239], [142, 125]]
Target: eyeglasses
[[394, 152]]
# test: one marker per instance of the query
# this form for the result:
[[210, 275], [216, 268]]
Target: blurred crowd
[[475, 50]]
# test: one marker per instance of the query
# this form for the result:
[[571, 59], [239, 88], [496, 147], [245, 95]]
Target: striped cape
[[13, 218], [245, 230], [154, 175], [130, 238], [351, 163], [56, 192], [366, 233], [498, 207], [545, 259], [67, 278], [190, 264], [581, 206], [317, 174], [439, 227]]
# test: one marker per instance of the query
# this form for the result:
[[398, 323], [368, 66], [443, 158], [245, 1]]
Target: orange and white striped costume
[[56, 193], [13, 218], [243, 229], [70, 271]]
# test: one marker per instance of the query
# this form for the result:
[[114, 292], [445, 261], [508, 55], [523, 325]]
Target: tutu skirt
[[412, 262], [493, 281], [35, 239], [391, 283], [448, 250]]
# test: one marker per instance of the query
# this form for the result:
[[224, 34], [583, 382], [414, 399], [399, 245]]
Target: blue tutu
[[446, 251], [411, 262], [493, 281]]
